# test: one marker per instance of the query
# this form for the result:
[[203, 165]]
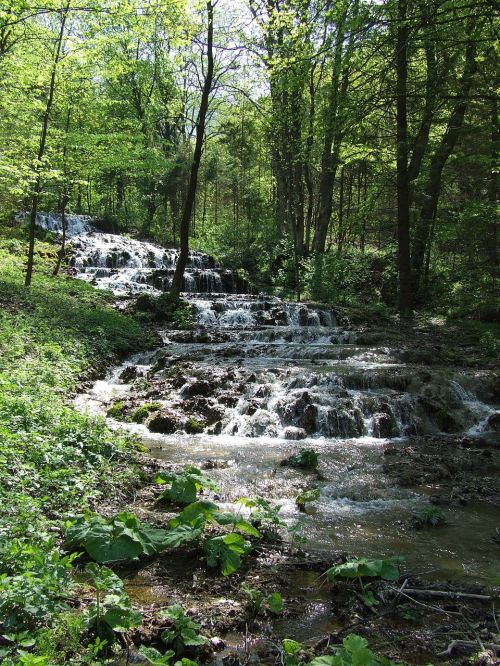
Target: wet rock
[[217, 643], [308, 419], [294, 433], [207, 408], [165, 422], [196, 388], [493, 422], [385, 426], [228, 399], [145, 303], [130, 373], [216, 429], [195, 426]]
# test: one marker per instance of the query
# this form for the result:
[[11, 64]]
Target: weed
[[430, 517], [306, 459], [183, 632], [307, 496], [184, 485], [142, 412]]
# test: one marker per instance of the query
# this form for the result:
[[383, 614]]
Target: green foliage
[[226, 551], [387, 569], [116, 410], [490, 342], [256, 602], [123, 537], [291, 650], [265, 516], [34, 583], [175, 311], [305, 459], [353, 652], [142, 412], [113, 613], [184, 485], [275, 603], [195, 515], [305, 497], [183, 632], [53, 459], [354, 277], [155, 657], [194, 426], [430, 517]]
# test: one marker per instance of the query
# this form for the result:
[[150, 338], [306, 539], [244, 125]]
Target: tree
[[195, 164], [37, 168]]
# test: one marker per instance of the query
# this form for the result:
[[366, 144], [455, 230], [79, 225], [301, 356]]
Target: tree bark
[[195, 166], [334, 130], [432, 188], [41, 148], [402, 181]]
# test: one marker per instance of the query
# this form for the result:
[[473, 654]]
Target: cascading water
[[260, 378]]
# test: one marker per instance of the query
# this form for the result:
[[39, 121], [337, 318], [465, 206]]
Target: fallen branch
[[420, 603], [447, 595], [467, 644]]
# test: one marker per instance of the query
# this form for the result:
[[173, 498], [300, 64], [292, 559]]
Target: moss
[[142, 412], [194, 426], [116, 411]]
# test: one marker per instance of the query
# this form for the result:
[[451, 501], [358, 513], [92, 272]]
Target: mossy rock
[[116, 411], [142, 412], [194, 426]]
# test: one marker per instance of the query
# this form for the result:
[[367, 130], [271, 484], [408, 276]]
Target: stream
[[260, 378]]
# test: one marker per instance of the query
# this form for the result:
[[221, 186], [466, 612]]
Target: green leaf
[[387, 569], [184, 485], [155, 657], [290, 646], [104, 579], [275, 603], [123, 537], [227, 551]]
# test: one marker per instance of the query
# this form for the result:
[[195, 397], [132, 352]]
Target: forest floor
[[56, 462]]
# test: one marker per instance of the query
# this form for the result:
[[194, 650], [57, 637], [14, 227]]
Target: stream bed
[[259, 379]]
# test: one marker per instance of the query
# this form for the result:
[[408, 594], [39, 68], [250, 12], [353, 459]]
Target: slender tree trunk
[[64, 199], [492, 240], [41, 148], [432, 188], [334, 121], [62, 250], [402, 181], [195, 166]]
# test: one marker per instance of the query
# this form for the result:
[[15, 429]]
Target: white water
[[281, 372]]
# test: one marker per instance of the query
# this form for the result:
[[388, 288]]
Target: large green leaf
[[226, 551], [184, 485], [387, 569], [123, 537]]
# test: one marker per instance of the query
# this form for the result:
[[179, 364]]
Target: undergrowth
[[53, 459]]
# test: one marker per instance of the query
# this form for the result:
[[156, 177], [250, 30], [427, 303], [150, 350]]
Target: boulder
[[165, 422], [294, 433], [308, 419]]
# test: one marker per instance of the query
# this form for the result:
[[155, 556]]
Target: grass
[[54, 461]]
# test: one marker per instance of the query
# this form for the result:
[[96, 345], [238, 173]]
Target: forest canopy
[[350, 149]]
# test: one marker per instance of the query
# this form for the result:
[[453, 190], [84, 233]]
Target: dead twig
[[456, 644], [447, 595], [420, 603]]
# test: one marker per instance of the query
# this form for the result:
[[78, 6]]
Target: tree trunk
[[334, 130], [41, 148], [62, 249], [195, 166], [402, 181], [432, 188]]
